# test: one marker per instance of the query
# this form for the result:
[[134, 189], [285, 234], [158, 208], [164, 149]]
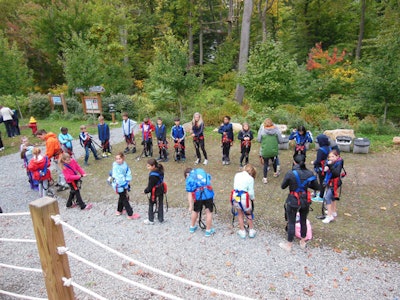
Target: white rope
[[139, 285], [20, 296], [69, 282], [21, 268], [15, 214], [172, 276], [17, 240]]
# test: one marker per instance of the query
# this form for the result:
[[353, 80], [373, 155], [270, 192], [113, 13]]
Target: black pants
[[266, 163], [245, 150], [226, 147], [197, 145], [160, 210], [9, 128], [291, 217], [75, 193], [123, 202], [321, 184]]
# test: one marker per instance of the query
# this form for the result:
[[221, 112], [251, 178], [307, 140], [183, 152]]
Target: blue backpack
[[199, 184]]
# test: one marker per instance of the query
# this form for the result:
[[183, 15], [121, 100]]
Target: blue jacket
[[226, 129], [121, 175], [104, 132]]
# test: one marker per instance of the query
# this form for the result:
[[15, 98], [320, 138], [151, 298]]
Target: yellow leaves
[[337, 250], [347, 214], [383, 208]]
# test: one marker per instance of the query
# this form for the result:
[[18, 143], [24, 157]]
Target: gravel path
[[255, 268]]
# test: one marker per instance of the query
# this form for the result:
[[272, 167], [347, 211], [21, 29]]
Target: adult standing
[[53, 151], [7, 114], [270, 137], [299, 179]]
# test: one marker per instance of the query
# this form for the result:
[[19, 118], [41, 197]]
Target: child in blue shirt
[[104, 136], [178, 135], [226, 130]]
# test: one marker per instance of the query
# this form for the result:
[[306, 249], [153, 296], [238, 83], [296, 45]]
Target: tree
[[244, 46], [271, 76], [169, 71], [15, 76]]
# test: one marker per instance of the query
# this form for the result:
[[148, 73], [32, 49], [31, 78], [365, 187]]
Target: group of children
[[328, 166]]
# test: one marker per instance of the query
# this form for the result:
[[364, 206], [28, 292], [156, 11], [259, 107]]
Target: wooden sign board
[[91, 104], [58, 100]]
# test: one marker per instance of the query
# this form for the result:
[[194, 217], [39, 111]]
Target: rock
[[339, 132], [396, 140]]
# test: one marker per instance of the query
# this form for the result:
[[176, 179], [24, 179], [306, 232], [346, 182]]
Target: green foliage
[[15, 77], [223, 61], [169, 70], [271, 75], [314, 114], [122, 103], [344, 106], [39, 106], [20, 103], [74, 106]]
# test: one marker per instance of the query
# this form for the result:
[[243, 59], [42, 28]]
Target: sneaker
[[317, 199], [192, 229], [85, 163], [118, 213], [108, 153], [285, 246], [62, 188], [328, 219], [265, 180], [252, 233], [126, 150], [133, 150], [72, 206], [227, 162], [223, 163], [97, 158], [104, 155], [334, 214], [165, 159], [148, 222], [197, 161], [210, 232], [205, 162], [277, 173], [134, 216], [2, 148], [159, 158], [242, 234], [88, 207]]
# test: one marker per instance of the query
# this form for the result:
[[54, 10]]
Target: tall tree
[[15, 77], [362, 28], [244, 46]]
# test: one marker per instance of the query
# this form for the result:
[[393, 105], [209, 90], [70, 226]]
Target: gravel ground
[[256, 268]]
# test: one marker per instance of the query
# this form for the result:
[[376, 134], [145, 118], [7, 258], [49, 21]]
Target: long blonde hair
[[200, 119]]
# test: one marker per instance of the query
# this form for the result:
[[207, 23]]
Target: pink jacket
[[72, 171]]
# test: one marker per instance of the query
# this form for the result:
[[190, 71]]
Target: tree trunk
[[362, 26], [244, 46], [230, 18], [190, 37], [201, 51]]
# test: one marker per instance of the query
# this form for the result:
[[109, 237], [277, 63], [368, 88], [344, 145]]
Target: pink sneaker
[[135, 216], [118, 213], [89, 206]]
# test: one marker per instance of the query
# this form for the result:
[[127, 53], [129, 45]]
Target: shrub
[[39, 106], [313, 114], [368, 125], [74, 106]]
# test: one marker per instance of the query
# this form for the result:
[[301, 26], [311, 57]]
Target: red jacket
[[72, 171], [36, 165]]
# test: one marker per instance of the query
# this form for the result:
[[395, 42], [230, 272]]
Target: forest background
[[323, 64]]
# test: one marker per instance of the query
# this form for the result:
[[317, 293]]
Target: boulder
[[333, 134], [396, 140], [236, 127]]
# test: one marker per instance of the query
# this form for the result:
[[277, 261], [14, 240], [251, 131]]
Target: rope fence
[[57, 220], [58, 280]]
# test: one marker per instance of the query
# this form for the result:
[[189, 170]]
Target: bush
[[314, 114], [368, 125], [39, 106], [74, 106], [121, 103]]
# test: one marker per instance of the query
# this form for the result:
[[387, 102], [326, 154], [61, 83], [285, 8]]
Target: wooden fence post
[[48, 237]]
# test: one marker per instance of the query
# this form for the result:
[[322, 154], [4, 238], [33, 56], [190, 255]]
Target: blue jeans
[[89, 148]]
